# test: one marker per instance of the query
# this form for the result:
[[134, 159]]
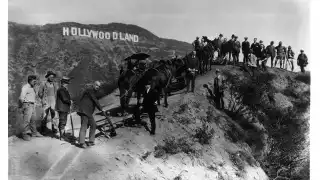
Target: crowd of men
[[256, 54], [56, 103]]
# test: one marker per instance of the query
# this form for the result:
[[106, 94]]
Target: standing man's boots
[[113, 132], [62, 134]]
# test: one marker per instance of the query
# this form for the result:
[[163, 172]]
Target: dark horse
[[161, 74]]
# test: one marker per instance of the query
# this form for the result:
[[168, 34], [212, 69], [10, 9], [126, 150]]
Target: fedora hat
[[65, 80], [49, 73]]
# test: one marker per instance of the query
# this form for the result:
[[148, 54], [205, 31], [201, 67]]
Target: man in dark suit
[[271, 52], [88, 103], [236, 46], [193, 64], [219, 44], [255, 46], [63, 103], [245, 50], [149, 106]]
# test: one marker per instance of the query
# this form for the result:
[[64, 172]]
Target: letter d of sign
[[135, 38], [65, 31], [114, 35], [74, 31]]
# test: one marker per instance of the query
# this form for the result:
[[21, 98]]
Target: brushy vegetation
[[204, 134], [286, 129], [173, 145]]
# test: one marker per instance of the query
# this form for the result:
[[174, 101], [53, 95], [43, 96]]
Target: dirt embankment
[[193, 140]]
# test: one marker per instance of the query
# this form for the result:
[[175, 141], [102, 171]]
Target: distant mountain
[[36, 49]]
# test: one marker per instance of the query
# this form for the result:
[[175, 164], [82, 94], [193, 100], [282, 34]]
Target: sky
[[278, 20]]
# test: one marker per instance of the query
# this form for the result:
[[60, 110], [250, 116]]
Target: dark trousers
[[245, 57], [263, 64], [219, 100], [152, 117], [63, 116], [44, 120], [235, 57], [272, 58], [85, 121], [302, 68], [190, 80]]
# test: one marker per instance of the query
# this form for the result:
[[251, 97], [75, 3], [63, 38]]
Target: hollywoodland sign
[[74, 31]]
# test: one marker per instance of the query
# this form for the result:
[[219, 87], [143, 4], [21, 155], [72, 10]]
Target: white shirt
[[28, 94]]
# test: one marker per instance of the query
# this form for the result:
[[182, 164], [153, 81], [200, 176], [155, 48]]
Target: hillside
[[263, 129], [36, 49]]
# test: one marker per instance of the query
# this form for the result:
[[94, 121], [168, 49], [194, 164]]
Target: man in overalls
[[47, 93]]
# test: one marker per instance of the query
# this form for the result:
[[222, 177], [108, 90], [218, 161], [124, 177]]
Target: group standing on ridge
[[230, 49]]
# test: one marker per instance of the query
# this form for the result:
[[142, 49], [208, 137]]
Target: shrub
[[237, 161], [305, 78], [173, 145], [204, 134]]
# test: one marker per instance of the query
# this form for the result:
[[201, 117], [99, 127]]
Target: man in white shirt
[[27, 101]]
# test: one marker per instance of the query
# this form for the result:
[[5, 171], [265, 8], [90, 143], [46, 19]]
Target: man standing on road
[[255, 47], [149, 106], [271, 52], [193, 65], [236, 50], [63, 105], [290, 56], [196, 44], [302, 60], [219, 45], [27, 102], [219, 90], [281, 55], [245, 50], [88, 103], [47, 93]]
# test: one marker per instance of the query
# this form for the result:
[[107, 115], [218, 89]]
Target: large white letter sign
[[74, 31], [65, 31], [135, 38], [114, 35]]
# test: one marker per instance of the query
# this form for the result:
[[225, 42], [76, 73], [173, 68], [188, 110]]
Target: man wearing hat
[[149, 106], [196, 44], [193, 66], [47, 93], [290, 56], [245, 50], [281, 54], [219, 90], [236, 50], [63, 104], [219, 45], [255, 46], [302, 60], [260, 55], [230, 46], [271, 52], [87, 105], [224, 47]]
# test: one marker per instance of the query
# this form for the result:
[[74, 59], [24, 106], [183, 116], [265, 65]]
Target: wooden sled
[[104, 127]]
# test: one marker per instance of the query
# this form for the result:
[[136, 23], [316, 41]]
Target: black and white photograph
[[159, 89]]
